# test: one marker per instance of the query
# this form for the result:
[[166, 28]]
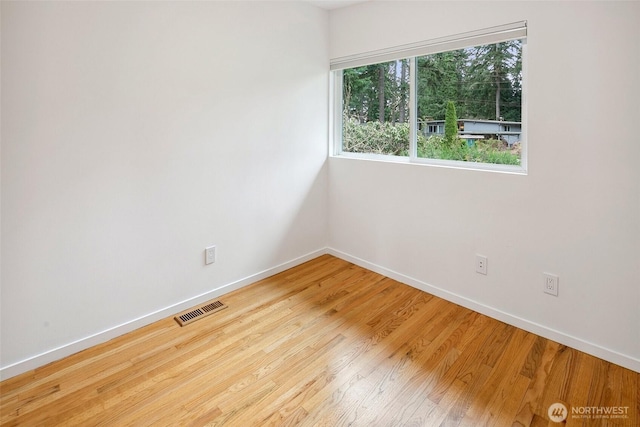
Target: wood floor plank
[[325, 343], [474, 381], [531, 403], [507, 366], [512, 398], [475, 338]]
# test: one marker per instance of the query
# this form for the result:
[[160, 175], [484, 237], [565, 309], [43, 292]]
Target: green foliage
[[494, 80], [387, 138], [480, 82], [375, 137], [485, 82], [440, 78], [377, 92], [451, 124], [483, 151]]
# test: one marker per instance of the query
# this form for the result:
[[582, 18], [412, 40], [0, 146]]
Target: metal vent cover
[[197, 313]]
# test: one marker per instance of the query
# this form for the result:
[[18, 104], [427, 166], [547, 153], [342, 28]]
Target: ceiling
[[334, 4]]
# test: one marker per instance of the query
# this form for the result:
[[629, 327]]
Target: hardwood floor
[[324, 344]]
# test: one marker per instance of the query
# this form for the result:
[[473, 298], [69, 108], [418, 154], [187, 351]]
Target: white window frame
[[514, 31]]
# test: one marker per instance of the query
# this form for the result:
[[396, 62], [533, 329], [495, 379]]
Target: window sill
[[450, 164]]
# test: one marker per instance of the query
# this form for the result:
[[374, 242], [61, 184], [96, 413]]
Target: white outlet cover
[[481, 264], [550, 284], [210, 255]]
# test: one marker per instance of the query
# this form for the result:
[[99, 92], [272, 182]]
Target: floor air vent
[[198, 313]]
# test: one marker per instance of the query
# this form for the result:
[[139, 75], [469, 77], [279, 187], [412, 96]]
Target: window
[[447, 101], [434, 129]]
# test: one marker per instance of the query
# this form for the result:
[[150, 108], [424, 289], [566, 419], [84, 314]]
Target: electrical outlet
[[481, 264], [550, 284], [210, 255]]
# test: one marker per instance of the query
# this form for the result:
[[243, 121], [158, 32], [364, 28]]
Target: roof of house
[[504, 122]]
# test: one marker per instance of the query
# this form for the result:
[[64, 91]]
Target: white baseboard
[[103, 336], [527, 325]]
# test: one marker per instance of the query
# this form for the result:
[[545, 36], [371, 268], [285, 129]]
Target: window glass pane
[[470, 104], [376, 109]]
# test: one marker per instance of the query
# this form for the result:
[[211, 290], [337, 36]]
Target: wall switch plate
[[210, 255], [481, 264], [550, 284]]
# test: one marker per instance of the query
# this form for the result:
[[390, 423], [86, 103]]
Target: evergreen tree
[[494, 80], [484, 82], [378, 92], [356, 83], [440, 79]]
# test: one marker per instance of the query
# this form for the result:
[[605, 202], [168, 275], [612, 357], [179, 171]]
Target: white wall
[[136, 134], [577, 212]]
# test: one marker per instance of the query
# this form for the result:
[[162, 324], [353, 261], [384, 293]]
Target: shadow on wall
[[304, 222]]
